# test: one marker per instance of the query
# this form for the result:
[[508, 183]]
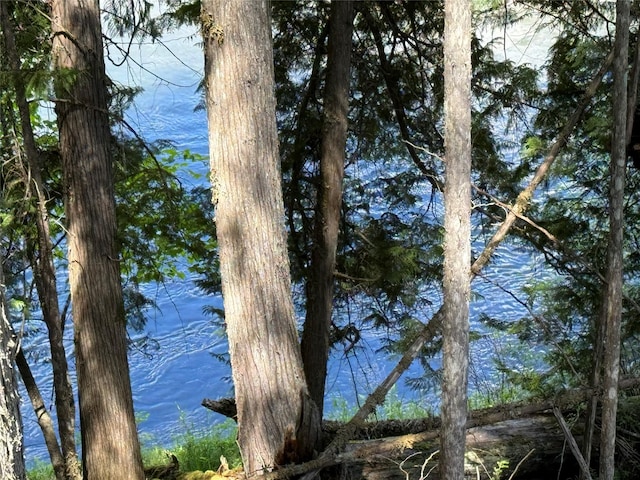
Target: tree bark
[[278, 423], [457, 236], [592, 403], [612, 302], [43, 266], [320, 286], [433, 326], [422, 430], [110, 447], [42, 416], [11, 437]]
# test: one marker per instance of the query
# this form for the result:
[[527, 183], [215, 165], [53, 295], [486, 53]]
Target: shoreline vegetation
[[198, 450], [214, 454], [194, 451]]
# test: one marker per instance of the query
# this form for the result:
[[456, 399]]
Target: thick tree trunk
[[43, 266], [278, 423], [315, 336], [11, 438], [612, 304], [457, 236], [110, 447]]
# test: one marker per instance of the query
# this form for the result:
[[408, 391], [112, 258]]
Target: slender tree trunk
[[42, 416], [612, 304], [432, 328], [11, 437], [596, 373], [277, 420], [457, 237], [110, 447], [293, 205], [315, 336], [43, 266]]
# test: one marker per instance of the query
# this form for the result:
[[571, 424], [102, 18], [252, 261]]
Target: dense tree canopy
[[548, 126]]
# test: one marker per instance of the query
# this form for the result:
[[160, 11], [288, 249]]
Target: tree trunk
[[110, 447], [530, 447], [598, 349], [43, 417], [427, 429], [457, 237], [432, 328], [315, 336], [612, 304], [43, 266], [11, 438], [278, 423]]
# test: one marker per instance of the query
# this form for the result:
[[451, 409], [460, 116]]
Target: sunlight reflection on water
[[170, 383]]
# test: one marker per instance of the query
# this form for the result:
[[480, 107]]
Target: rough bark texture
[[43, 266], [277, 420], [315, 336], [11, 438], [612, 304], [110, 447], [457, 237]]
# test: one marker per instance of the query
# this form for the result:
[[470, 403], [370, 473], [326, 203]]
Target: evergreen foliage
[[389, 263]]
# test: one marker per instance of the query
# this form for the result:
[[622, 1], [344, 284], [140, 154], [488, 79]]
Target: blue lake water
[[169, 384]]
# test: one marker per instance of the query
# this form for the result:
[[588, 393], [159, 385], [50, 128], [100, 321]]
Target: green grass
[[199, 450], [40, 471], [394, 407], [195, 450], [500, 395]]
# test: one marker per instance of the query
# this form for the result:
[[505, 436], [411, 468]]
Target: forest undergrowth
[[198, 450]]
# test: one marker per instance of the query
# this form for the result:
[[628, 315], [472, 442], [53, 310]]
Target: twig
[[524, 218], [520, 463], [572, 444], [424, 465]]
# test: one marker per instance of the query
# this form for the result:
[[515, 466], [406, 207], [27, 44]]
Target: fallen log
[[501, 446], [389, 428], [530, 447], [223, 406], [483, 420]]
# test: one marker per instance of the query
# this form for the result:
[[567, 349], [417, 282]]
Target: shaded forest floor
[[522, 439]]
